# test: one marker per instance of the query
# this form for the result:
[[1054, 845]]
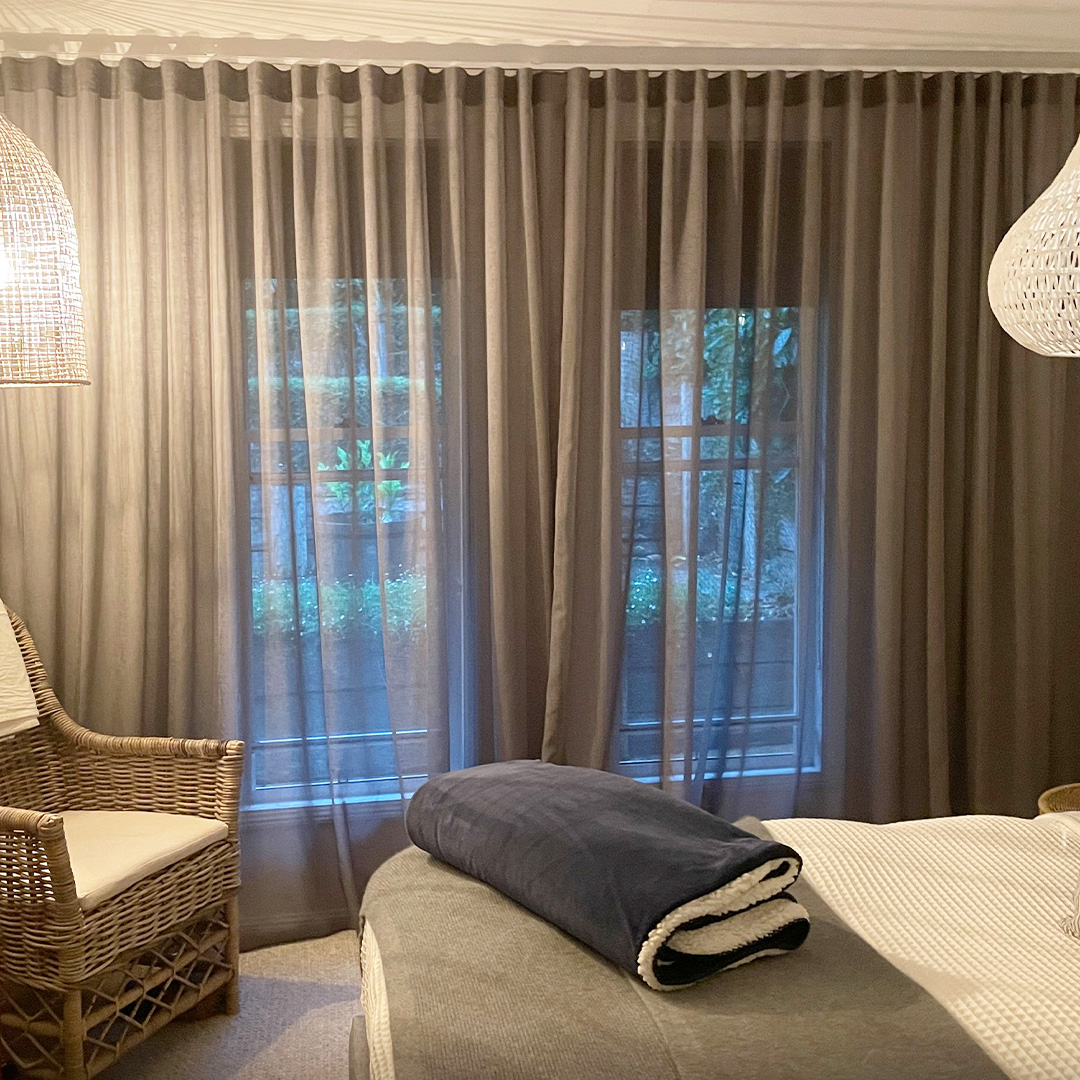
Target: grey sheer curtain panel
[[118, 502], [649, 422]]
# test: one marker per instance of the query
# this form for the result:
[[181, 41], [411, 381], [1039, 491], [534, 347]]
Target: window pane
[[331, 476], [741, 477]]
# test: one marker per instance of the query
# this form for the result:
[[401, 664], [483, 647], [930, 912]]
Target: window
[[740, 465], [332, 494]]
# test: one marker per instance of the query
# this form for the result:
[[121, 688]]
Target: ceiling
[[711, 33]]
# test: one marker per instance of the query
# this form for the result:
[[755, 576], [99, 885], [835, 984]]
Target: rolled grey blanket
[[660, 887]]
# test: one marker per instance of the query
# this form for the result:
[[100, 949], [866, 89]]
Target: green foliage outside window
[[370, 495], [750, 379], [748, 387], [776, 600], [345, 608]]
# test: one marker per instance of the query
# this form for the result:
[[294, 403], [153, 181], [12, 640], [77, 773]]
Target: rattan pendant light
[[1034, 281], [41, 321]]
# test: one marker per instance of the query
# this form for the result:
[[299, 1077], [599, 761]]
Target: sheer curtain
[[118, 502], [650, 422], [722, 420]]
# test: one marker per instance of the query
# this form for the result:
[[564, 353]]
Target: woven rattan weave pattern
[[41, 319], [147, 954], [1034, 280], [140, 992]]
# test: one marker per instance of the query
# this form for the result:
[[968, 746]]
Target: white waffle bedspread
[[970, 908]]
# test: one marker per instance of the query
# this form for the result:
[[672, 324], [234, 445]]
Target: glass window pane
[[746, 463], [322, 600]]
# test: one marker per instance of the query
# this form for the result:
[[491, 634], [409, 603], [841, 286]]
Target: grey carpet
[[296, 1005]]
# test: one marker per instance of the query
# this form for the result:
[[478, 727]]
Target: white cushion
[[18, 709], [112, 849]]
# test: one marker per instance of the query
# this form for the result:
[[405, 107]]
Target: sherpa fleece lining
[[749, 911]]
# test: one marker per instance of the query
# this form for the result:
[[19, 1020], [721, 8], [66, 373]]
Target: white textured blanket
[[971, 909], [18, 709]]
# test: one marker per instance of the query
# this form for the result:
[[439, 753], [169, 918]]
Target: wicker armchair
[[80, 987]]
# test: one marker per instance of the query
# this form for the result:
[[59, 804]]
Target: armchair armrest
[[41, 868], [140, 745], [41, 922], [108, 772], [173, 776]]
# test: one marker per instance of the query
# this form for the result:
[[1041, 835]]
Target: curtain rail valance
[[287, 51]]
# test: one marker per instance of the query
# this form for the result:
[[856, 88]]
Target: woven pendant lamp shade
[[41, 321], [1034, 281]]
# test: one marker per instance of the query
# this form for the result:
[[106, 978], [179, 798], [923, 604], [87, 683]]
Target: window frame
[[802, 755]]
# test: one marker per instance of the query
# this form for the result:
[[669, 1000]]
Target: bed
[[936, 951]]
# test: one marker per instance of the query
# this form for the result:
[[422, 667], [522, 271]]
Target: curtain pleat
[[657, 423], [588, 605], [809, 614]]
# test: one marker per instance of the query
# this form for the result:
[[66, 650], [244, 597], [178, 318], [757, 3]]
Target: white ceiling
[[1044, 33]]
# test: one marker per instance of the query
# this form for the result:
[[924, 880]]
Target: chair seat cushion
[[112, 849]]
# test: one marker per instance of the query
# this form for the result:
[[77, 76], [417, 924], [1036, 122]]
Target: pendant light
[[1034, 281], [41, 321]]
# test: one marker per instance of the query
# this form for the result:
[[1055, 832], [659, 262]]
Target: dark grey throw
[[654, 884], [478, 988]]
